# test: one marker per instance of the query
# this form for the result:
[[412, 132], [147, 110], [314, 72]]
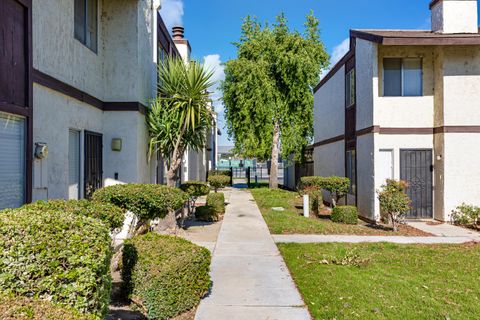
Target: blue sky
[[212, 25]]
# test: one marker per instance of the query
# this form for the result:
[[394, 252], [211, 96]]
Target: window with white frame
[[402, 77], [86, 20], [350, 88], [351, 171]]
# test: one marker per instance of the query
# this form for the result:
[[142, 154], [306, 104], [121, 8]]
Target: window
[[402, 77], [350, 88], [86, 23], [351, 174], [12, 161]]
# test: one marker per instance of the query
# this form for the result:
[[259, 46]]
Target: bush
[[146, 201], [57, 256], [337, 186], [217, 202], [227, 173], [315, 196], [23, 308], [166, 275], [466, 215], [218, 182], [110, 214], [345, 214], [195, 189], [207, 214], [394, 202]]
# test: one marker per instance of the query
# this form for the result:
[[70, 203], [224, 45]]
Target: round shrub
[[218, 181], [166, 275], [57, 256], [206, 214], [22, 308], [217, 202], [146, 201], [195, 188], [345, 214], [110, 214]]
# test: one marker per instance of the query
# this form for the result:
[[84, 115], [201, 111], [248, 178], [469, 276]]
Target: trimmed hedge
[[23, 308], [218, 182], [206, 214], [110, 214], [195, 188], [146, 201], [166, 275], [345, 214], [217, 202], [227, 173], [56, 255], [337, 186]]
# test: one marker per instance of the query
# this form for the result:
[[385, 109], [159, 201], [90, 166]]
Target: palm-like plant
[[179, 118]]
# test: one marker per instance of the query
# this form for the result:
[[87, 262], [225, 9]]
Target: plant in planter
[[146, 201], [195, 189], [218, 181], [338, 187], [394, 202]]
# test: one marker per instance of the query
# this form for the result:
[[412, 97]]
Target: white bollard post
[[306, 206]]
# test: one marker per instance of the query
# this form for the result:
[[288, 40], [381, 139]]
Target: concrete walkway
[[445, 230], [250, 278]]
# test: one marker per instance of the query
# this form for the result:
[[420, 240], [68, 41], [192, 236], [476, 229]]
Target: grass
[[291, 220], [387, 281]]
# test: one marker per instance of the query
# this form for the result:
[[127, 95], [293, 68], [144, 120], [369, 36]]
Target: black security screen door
[[416, 169], [93, 163]]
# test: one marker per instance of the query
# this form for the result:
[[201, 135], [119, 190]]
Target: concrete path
[[250, 278], [300, 238], [445, 230]]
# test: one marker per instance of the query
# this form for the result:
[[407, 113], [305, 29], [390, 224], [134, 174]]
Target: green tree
[[268, 89], [180, 116], [394, 202]]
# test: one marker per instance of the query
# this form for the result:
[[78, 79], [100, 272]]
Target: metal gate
[[416, 169], [93, 163]]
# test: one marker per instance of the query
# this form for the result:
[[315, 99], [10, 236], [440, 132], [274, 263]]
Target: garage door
[[12, 161]]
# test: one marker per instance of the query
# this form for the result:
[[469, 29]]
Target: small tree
[[337, 186], [218, 182], [394, 202]]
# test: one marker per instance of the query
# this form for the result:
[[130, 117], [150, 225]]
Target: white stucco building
[[405, 104], [76, 76]]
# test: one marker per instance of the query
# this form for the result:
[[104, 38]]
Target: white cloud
[[214, 63], [339, 51], [172, 13]]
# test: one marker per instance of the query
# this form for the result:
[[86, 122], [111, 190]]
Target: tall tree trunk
[[176, 159], [274, 161]]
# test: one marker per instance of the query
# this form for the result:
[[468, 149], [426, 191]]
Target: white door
[[385, 161], [73, 164], [12, 161]]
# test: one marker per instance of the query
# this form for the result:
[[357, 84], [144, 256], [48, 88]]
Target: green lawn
[[291, 220], [387, 281]]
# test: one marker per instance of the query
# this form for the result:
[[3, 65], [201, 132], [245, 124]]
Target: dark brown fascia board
[[416, 41], [335, 69], [52, 83], [401, 131], [163, 28]]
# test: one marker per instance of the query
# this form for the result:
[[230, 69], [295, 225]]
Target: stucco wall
[[329, 160], [329, 108], [398, 111], [366, 79], [365, 176], [56, 51], [445, 16]]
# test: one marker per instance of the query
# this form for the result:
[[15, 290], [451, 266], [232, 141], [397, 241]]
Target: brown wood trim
[[335, 69], [57, 85], [29, 123], [406, 131], [328, 141], [14, 109], [372, 129], [125, 106], [366, 36], [68, 90], [457, 129], [433, 41]]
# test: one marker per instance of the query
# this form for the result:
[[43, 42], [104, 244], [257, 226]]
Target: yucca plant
[[178, 119]]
